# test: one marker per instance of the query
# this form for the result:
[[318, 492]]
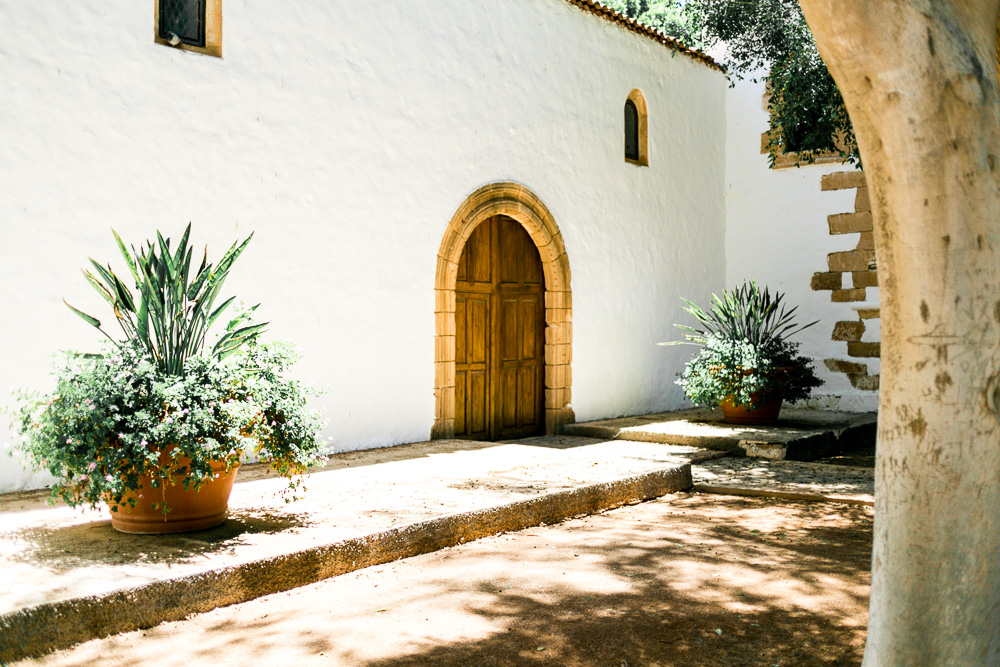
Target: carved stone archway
[[521, 204]]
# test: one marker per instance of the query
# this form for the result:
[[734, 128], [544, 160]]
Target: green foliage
[[745, 314], [110, 416], [174, 310], [745, 355], [156, 404], [807, 112], [667, 16], [747, 374]]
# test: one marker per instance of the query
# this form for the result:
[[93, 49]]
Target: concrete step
[[69, 577], [802, 434]]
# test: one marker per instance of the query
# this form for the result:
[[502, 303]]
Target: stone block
[[557, 274], [864, 278], [866, 241], [556, 418], [861, 201], [444, 406], [864, 382], [849, 223], [559, 333], [848, 331], [558, 315], [868, 313], [764, 450], [444, 301], [849, 367], [444, 349], [558, 377], [841, 180], [444, 374], [863, 350], [444, 324], [847, 295], [557, 398], [827, 281], [443, 429], [851, 260], [447, 273], [558, 300], [558, 355]]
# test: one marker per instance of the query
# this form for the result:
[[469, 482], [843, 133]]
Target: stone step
[[69, 577], [802, 434]]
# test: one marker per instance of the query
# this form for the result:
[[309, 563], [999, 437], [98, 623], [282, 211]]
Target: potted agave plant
[[157, 424], [746, 365]]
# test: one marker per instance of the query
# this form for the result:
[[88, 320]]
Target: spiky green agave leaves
[[174, 310], [744, 314]]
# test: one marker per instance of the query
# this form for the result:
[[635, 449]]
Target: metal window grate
[[184, 18], [631, 130]]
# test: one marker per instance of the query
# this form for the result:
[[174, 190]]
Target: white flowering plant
[[111, 415], [161, 403]]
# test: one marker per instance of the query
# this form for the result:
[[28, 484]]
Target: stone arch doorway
[[517, 203]]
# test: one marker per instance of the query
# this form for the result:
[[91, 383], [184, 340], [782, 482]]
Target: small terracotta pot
[[765, 413], [189, 509]]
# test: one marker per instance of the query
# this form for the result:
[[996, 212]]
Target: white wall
[[777, 234], [345, 136]]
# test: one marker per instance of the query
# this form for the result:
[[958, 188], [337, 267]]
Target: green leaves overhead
[[174, 311], [744, 314], [765, 38]]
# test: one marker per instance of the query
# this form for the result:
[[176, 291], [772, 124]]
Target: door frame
[[522, 205]]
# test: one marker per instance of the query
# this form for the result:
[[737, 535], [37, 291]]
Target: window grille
[[185, 19]]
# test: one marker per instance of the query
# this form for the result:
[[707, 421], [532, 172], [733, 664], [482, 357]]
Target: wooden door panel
[[479, 320], [475, 264], [461, 330], [509, 339], [472, 395], [499, 317], [461, 402], [478, 416], [527, 388], [508, 398], [529, 328]]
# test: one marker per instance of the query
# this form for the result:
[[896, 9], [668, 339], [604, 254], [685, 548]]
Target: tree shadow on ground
[[685, 604], [689, 580]]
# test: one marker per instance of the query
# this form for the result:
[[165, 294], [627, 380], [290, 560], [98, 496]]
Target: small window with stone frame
[[190, 25]]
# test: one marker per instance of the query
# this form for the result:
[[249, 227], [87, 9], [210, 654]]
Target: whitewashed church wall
[[777, 234], [345, 135]]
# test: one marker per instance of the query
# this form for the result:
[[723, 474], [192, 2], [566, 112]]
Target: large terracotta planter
[[189, 509], [765, 413]]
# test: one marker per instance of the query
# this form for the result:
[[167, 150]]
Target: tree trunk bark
[[919, 79]]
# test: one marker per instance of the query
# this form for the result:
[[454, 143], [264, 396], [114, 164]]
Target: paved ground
[[689, 579], [68, 576]]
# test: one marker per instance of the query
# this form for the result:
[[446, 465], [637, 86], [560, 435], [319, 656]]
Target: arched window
[[635, 129], [631, 131]]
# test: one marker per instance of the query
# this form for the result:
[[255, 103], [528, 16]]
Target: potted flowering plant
[[157, 424], [746, 365]]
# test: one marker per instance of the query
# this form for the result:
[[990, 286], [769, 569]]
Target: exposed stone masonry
[[850, 275]]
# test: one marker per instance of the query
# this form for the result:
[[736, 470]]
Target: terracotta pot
[[765, 413], [189, 509]]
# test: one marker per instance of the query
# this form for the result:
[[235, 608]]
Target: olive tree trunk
[[919, 78]]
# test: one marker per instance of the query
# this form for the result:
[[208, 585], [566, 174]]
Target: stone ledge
[[72, 578], [805, 434]]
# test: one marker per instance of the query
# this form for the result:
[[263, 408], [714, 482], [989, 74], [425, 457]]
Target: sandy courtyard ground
[[689, 579]]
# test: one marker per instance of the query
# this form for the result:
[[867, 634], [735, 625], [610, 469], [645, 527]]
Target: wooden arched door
[[500, 334]]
